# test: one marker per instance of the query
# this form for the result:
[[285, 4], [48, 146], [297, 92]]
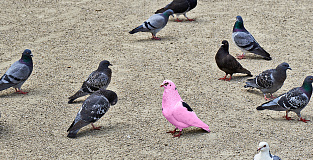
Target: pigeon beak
[[289, 68], [165, 84], [31, 54], [259, 149]]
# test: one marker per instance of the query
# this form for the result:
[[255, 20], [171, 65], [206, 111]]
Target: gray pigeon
[[228, 63], [269, 81], [294, 100], [265, 153], [99, 78], [180, 7], [18, 73], [93, 108], [154, 24], [246, 42]]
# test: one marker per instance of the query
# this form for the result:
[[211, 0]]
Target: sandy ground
[[69, 38]]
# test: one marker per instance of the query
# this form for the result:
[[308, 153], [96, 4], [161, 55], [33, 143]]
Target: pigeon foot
[[155, 38], [240, 57], [95, 128], [190, 19], [20, 91], [177, 20], [303, 120], [172, 132], [288, 118], [178, 135]]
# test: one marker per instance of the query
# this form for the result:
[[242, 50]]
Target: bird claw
[[190, 19], [95, 128], [303, 120], [21, 92], [155, 38], [240, 57], [177, 20], [288, 118]]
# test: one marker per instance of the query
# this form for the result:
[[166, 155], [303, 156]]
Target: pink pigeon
[[178, 112]]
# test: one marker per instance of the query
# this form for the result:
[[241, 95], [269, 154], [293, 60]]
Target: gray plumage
[[154, 24], [93, 108], [99, 78], [18, 73], [180, 7], [228, 63], [294, 100], [271, 80], [246, 42]]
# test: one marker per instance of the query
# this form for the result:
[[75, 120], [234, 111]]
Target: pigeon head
[[110, 95], [27, 57], [168, 84], [283, 66], [225, 44], [239, 25], [27, 52], [168, 12], [263, 146], [104, 65]]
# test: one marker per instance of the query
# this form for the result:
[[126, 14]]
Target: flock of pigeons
[[174, 109]]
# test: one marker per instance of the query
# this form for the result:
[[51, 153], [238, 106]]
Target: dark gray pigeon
[[180, 7], [269, 81], [294, 100], [228, 63], [93, 108], [18, 73], [246, 42], [265, 153], [99, 78], [154, 24]]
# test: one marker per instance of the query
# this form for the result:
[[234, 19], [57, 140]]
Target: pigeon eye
[[264, 146], [311, 79]]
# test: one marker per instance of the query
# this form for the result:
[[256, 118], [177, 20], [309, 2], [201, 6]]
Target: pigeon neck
[[170, 98], [239, 27], [26, 59], [307, 87]]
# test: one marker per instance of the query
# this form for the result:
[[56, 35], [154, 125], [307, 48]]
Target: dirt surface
[[69, 38]]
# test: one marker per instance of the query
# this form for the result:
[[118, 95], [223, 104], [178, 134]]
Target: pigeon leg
[[303, 120], [20, 91], [188, 18], [177, 20], [173, 132], [223, 78], [272, 96], [228, 79], [155, 38], [267, 99], [288, 118], [241, 56], [178, 135], [95, 128]]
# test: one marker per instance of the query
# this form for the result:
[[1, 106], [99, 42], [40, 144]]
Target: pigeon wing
[[94, 108]]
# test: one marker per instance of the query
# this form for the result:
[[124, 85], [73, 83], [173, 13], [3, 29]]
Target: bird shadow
[[77, 102], [163, 38], [254, 57], [193, 132], [88, 131]]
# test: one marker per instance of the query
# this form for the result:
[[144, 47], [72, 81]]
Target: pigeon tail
[[243, 70], [271, 105], [71, 135], [138, 29], [250, 83], [260, 51], [78, 94]]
